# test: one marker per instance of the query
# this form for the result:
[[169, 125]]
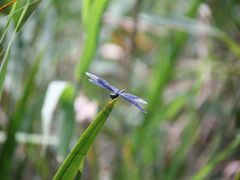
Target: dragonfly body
[[114, 95], [136, 101]]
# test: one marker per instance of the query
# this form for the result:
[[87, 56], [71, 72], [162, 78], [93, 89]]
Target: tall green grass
[[191, 128], [15, 121], [92, 17]]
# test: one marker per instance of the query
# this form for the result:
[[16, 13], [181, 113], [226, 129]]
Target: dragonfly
[[136, 101], [6, 5]]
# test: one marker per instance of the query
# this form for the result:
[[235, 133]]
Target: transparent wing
[[101, 82], [131, 100], [97, 83], [135, 98]]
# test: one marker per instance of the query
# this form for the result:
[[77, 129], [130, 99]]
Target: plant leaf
[[54, 92], [16, 121], [207, 169], [93, 29], [74, 160], [67, 121], [4, 65]]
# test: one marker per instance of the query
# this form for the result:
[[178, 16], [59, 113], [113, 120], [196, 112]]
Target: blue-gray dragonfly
[[136, 101]]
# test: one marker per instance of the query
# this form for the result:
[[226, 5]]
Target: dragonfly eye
[[113, 95]]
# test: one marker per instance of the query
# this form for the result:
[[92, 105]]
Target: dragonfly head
[[114, 95]]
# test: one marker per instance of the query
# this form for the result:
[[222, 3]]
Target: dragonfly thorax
[[116, 94]]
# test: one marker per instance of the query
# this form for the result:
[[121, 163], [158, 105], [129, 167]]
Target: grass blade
[[85, 11], [7, 24], [31, 7], [4, 65], [206, 170], [93, 28], [53, 95], [16, 121], [74, 160], [67, 121]]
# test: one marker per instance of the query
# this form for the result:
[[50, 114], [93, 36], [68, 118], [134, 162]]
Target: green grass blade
[[171, 48], [86, 4], [4, 65], [191, 26], [7, 24], [74, 160], [16, 121], [204, 172], [53, 95], [167, 64], [31, 7], [93, 28], [179, 157], [67, 121]]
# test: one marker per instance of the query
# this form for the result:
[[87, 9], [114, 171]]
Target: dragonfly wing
[[131, 100], [101, 82], [97, 83], [135, 98]]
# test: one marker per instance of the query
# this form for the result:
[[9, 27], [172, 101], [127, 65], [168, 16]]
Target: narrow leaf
[[93, 28], [74, 160], [4, 65], [16, 121], [53, 95], [206, 170], [67, 121]]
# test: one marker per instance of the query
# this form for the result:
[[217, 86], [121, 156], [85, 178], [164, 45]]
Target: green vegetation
[[180, 56]]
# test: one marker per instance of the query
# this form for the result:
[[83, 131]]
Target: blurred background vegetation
[[182, 56]]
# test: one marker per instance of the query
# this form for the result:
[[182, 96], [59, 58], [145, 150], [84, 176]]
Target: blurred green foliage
[[180, 56]]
